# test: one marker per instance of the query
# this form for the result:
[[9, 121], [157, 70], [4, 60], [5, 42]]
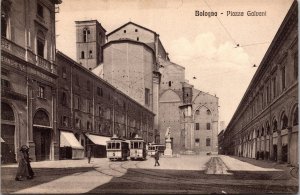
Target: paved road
[[184, 174]]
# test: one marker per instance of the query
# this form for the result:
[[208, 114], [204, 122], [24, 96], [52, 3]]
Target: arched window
[[262, 131], [295, 117], [41, 118], [82, 55], [208, 112], [207, 141], [90, 54], [170, 83], [86, 33], [284, 121], [40, 43], [197, 112]]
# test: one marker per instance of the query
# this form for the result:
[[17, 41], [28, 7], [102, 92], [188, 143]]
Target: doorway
[[42, 141]]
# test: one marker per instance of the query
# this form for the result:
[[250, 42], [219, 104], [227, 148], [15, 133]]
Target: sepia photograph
[[149, 97]]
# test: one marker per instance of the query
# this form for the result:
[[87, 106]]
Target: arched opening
[[82, 55], [8, 153], [86, 33], [42, 135], [284, 121], [295, 117]]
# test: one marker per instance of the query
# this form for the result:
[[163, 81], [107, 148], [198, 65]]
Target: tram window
[[136, 145], [117, 145], [109, 146]]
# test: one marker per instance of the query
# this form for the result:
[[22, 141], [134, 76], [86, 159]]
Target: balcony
[[27, 55]]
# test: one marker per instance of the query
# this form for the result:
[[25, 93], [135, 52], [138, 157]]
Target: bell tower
[[90, 36]]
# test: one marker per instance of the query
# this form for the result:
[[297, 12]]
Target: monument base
[[168, 151]]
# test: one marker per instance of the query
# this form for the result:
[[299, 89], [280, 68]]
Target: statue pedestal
[[168, 151]]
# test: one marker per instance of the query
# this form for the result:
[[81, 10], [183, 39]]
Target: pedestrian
[[89, 154], [156, 156], [24, 169]]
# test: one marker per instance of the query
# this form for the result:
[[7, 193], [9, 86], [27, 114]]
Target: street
[[182, 174]]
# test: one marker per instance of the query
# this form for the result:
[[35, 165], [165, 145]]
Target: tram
[[152, 147], [117, 149], [138, 149]]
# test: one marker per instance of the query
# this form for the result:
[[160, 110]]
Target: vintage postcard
[[149, 97]]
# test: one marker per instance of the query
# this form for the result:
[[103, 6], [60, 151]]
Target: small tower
[[90, 37]]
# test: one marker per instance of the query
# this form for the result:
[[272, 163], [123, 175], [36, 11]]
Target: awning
[[97, 139], [69, 139], [2, 140]]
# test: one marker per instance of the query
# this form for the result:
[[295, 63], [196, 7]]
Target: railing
[[27, 55], [44, 64], [12, 48]]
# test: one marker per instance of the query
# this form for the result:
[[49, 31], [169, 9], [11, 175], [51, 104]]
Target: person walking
[[89, 154], [156, 156], [24, 169]]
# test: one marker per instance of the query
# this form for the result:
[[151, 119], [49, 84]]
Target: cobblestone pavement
[[182, 174]]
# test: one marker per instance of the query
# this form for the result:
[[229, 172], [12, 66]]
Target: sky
[[205, 46]]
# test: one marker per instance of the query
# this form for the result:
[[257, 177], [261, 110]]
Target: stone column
[[279, 147], [265, 148], [271, 146], [289, 143]]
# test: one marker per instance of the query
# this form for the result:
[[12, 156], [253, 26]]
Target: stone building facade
[[265, 124], [135, 61], [28, 79], [89, 106]]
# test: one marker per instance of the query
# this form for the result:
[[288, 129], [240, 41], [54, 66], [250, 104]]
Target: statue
[[168, 133], [168, 149]]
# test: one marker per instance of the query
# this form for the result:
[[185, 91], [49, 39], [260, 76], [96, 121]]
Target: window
[[100, 111], [283, 78], [197, 127], [65, 121], [274, 87], [137, 38], [170, 83], [99, 91], [124, 31], [76, 80], [208, 126], [40, 43], [76, 102], [136, 30], [40, 10], [88, 87], [91, 54], [64, 99], [296, 65], [208, 112], [86, 33], [41, 92], [197, 112], [88, 125], [197, 140], [5, 83], [4, 19], [64, 72], [147, 96], [77, 123], [82, 55], [207, 141]]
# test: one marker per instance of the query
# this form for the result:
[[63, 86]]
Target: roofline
[[84, 21], [263, 62], [105, 82], [133, 24], [128, 41]]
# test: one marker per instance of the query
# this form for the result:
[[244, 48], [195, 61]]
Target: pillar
[[279, 147], [271, 147], [289, 143]]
